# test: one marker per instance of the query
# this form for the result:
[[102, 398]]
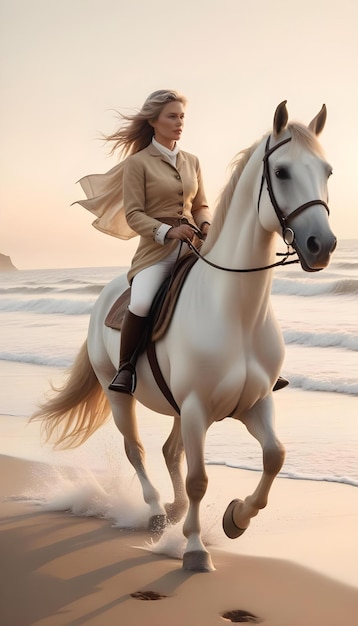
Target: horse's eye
[[282, 173]]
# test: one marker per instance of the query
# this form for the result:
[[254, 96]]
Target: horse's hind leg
[[239, 512], [123, 409], [173, 451]]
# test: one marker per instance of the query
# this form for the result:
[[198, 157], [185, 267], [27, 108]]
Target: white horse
[[223, 351]]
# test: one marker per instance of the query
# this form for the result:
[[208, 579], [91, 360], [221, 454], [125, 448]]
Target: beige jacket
[[140, 194], [156, 192]]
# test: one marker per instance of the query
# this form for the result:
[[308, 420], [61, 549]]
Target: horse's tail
[[77, 409]]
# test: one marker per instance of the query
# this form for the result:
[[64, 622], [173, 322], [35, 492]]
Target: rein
[[252, 269], [288, 234]]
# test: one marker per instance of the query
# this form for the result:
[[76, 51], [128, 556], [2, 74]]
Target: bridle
[[288, 234]]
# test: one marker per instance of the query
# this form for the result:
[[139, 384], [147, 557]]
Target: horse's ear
[[280, 119], [318, 122]]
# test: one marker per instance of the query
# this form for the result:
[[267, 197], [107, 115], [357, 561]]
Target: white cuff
[[160, 233]]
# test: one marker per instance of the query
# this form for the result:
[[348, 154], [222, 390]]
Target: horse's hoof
[[174, 512], [157, 524], [198, 561], [230, 529]]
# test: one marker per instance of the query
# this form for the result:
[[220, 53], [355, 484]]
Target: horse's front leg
[[123, 409], [194, 426], [260, 423]]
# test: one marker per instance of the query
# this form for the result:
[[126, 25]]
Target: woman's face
[[169, 125]]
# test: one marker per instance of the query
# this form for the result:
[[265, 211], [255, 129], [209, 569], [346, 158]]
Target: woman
[[164, 201]]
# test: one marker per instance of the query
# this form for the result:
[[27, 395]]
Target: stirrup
[[125, 380], [280, 383]]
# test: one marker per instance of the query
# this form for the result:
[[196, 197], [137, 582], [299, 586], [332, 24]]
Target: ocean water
[[44, 317]]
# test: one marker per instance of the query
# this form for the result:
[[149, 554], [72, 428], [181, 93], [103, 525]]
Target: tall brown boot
[[132, 331]]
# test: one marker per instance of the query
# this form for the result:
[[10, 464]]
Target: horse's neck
[[243, 242]]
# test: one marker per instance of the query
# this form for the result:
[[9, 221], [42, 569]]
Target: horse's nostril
[[313, 245], [334, 245]]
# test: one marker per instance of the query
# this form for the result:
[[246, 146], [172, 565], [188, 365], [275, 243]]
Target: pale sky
[[67, 64]]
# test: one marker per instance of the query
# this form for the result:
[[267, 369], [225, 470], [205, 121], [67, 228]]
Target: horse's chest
[[225, 360], [235, 371]]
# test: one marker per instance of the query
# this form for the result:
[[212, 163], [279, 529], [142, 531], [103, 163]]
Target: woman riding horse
[[223, 350], [165, 204]]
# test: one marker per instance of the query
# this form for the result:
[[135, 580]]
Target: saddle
[[164, 302]]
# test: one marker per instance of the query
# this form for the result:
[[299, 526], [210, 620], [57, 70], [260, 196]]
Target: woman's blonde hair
[[136, 133]]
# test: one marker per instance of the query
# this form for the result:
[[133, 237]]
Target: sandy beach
[[65, 563], [296, 564]]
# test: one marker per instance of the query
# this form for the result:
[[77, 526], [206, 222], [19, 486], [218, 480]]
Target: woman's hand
[[182, 232], [205, 229]]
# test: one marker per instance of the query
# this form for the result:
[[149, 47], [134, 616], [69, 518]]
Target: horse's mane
[[301, 136], [237, 166]]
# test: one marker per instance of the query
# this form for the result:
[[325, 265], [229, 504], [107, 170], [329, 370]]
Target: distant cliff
[[6, 265]]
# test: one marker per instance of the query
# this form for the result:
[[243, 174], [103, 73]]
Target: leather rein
[[288, 234]]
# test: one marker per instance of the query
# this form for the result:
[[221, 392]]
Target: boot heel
[[281, 383]]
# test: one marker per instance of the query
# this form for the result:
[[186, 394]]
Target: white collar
[[172, 154]]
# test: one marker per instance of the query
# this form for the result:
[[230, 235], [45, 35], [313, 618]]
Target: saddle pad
[[164, 302], [115, 316]]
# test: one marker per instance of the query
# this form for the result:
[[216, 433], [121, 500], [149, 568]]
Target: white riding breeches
[[146, 283]]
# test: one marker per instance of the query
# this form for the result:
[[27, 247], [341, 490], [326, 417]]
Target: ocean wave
[[26, 290], [62, 362], [321, 339], [346, 265], [82, 300], [61, 306], [86, 289], [347, 387], [345, 480], [340, 287], [345, 287]]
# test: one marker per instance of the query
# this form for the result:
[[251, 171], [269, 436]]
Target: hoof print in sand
[[147, 595], [241, 616]]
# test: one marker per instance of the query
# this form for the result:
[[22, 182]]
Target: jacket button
[[180, 193], [177, 177], [181, 203]]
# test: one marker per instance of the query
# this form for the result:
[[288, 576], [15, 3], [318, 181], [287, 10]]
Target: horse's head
[[296, 174]]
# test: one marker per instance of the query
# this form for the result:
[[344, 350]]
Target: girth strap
[[159, 378]]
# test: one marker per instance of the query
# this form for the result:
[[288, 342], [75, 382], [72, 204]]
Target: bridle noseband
[[288, 234]]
